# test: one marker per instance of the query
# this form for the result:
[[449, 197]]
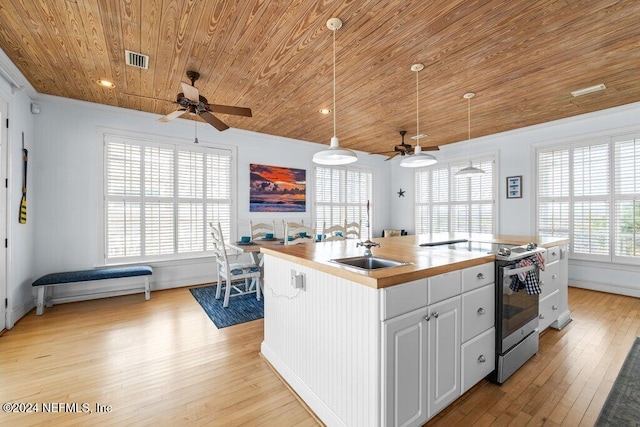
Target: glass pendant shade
[[334, 155]]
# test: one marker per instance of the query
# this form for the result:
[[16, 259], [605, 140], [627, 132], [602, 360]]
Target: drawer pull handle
[[542, 283], [481, 359], [554, 276], [427, 317], [554, 307], [541, 317], [553, 253], [481, 311], [435, 314], [480, 276]]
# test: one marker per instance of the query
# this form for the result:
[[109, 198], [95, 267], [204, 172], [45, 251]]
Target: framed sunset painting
[[277, 189]]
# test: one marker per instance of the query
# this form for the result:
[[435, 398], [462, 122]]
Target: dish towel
[[528, 280]]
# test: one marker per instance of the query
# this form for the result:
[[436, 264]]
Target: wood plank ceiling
[[522, 58]]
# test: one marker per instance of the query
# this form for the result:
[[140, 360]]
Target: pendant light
[[470, 170], [418, 158], [334, 155]]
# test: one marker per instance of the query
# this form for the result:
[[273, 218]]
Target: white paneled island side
[[391, 346]]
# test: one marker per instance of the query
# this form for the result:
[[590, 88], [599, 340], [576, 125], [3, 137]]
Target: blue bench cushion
[[97, 274]]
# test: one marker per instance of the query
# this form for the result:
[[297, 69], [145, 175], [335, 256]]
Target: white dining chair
[[232, 273], [352, 230], [335, 232], [295, 235], [260, 229]]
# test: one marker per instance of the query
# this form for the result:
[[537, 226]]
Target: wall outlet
[[297, 280]]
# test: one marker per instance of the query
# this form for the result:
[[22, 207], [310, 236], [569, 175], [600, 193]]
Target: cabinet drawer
[[443, 286], [478, 359], [478, 308], [478, 276], [550, 279], [400, 299], [548, 310], [552, 254]]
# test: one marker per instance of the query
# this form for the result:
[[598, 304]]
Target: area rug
[[242, 308], [622, 407]]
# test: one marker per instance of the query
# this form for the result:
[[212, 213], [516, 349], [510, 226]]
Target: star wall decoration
[[401, 193]]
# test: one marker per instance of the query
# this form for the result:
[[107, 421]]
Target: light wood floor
[[162, 362]]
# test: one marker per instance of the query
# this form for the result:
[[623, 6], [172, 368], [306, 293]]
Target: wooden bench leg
[[40, 301], [147, 288]]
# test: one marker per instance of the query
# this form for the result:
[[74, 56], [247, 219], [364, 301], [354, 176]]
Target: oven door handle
[[508, 272]]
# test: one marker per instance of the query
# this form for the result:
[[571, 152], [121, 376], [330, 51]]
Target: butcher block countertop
[[425, 261]]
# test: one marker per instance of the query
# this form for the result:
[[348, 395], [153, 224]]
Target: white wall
[[69, 163], [20, 253], [516, 156]]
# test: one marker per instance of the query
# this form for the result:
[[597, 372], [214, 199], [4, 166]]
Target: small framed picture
[[514, 187]]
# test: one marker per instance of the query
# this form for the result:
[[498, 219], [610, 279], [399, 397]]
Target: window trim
[[177, 258]]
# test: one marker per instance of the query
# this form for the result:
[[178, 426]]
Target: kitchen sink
[[368, 262]]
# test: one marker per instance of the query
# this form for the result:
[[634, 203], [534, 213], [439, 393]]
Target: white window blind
[[160, 197], [627, 197], [553, 193], [341, 195], [590, 192], [445, 203]]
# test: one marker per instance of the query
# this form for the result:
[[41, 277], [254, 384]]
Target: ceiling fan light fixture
[[470, 170], [334, 155], [418, 159]]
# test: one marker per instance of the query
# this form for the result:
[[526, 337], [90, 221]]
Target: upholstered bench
[[45, 282]]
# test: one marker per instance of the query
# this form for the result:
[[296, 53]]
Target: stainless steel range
[[516, 311]]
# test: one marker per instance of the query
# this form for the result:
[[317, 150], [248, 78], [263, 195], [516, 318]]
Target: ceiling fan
[[190, 101], [403, 149]]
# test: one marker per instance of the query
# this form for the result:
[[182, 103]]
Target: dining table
[[253, 248]]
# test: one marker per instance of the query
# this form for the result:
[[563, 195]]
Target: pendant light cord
[[469, 117], [417, 112], [334, 82]]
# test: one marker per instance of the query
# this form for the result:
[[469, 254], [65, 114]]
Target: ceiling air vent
[[136, 59]]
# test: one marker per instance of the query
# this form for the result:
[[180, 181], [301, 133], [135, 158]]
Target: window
[[160, 197], [590, 192], [445, 203], [342, 194]]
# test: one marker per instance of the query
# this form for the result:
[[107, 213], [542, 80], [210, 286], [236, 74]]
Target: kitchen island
[[390, 346]]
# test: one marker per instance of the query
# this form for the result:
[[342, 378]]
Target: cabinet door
[[550, 279], [405, 369], [444, 354]]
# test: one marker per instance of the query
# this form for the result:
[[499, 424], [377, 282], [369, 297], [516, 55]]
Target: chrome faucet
[[368, 244]]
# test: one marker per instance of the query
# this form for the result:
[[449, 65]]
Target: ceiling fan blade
[[430, 148], [385, 152], [190, 92], [213, 121], [391, 157], [172, 116], [228, 109]]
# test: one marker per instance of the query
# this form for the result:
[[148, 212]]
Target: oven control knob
[[531, 246], [504, 251]]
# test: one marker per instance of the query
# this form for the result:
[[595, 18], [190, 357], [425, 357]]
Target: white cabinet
[[431, 352], [551, 280], [478, 359], [405, 372], [444, 354]]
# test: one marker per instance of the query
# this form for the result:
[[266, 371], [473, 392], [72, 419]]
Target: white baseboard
[[310, 398], [606, 287]]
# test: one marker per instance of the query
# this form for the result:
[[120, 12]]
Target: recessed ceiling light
[[325, 111], [106, 83], [589, 89]]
